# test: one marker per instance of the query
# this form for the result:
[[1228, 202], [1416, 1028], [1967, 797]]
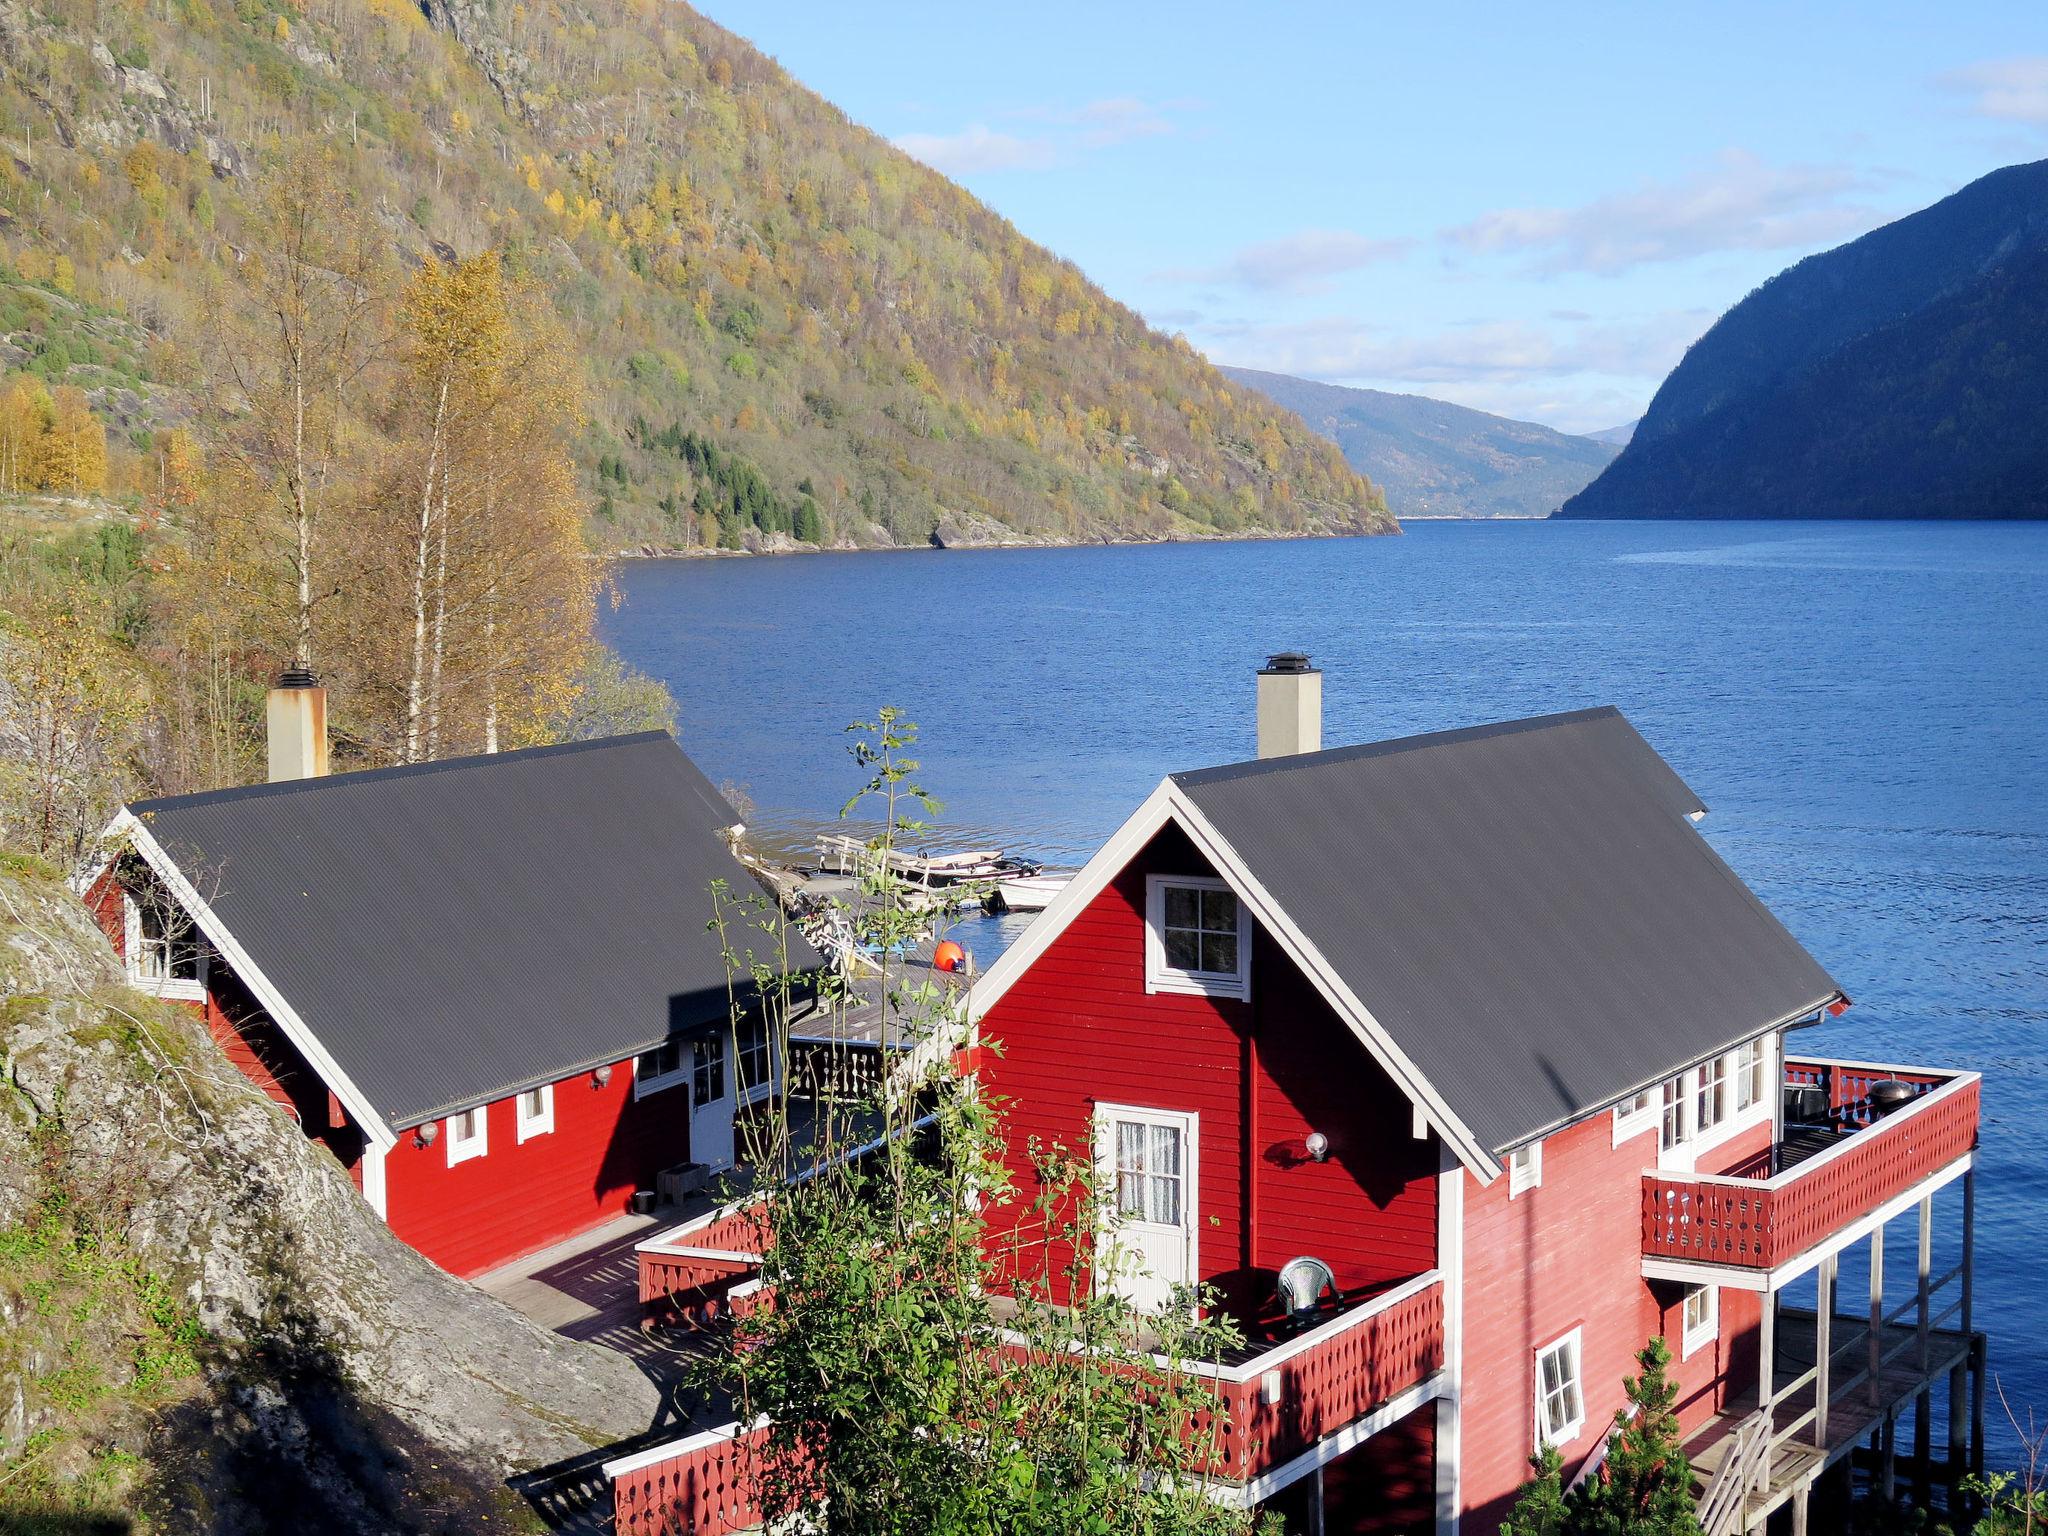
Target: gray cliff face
[[342, 1371]]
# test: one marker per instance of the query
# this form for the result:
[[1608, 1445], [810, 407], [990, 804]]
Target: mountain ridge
[[1896, 376], [734, 258], [1436, 459]]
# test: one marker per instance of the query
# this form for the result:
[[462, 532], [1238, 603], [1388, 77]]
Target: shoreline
[[698, 552]]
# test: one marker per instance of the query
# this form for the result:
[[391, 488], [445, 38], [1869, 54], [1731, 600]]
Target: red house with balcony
[[486, 984], [1478, 1033]]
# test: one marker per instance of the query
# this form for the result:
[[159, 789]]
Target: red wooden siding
[[1079, 1029], [517, 1197]]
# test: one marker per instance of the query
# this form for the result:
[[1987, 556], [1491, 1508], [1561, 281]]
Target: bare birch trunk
[[422, 549]]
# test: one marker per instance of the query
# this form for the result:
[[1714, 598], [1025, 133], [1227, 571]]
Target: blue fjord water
[[1864, 707]]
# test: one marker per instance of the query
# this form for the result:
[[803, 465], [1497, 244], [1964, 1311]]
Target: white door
[[711, 1101], [1146, 1161]]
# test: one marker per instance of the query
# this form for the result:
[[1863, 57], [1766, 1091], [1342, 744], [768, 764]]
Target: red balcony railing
[[1279, 1403], [702, 1269], [1760, 1223], [1273, 1407], [700, 1486]]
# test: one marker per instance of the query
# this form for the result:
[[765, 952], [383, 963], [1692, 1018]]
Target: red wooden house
[[486, 984], [1480, 1023]]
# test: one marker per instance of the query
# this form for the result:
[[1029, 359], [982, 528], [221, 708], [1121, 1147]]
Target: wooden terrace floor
[[1852, 1415]]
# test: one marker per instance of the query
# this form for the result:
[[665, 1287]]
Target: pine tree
[[1541, 1509], [1645, 1488]]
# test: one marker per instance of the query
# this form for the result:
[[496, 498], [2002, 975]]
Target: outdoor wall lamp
[[1318, 1146], [425, 1136], [601, 1077]]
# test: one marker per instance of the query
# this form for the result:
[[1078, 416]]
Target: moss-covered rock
[[202, 1324]]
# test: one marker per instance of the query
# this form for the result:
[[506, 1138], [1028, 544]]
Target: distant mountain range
[[1902, 375], [1619, 436], [1435, 459]]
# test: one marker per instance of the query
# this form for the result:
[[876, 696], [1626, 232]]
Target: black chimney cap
[[296, 677], [1287, 661]]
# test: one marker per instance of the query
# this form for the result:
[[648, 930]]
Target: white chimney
[[1290, 706], [296, 720]]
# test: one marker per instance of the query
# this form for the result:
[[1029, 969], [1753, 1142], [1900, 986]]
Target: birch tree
[[292, 337]]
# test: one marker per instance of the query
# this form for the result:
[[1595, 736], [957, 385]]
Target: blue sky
[[1529, 209]]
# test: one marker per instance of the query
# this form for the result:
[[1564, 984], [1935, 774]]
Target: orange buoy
[[948, 956]]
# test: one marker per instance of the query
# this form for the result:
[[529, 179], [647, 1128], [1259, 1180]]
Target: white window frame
[[182, 989], [1751, 1074], [1561, 1435], [750, 1091], [1737, 1118], [701, 1046], [1161, 977], [656, 1082], [1713, 1096], [538, 1122], [463, 1144], [1525, 1169], [1639, 1113], [1696, 1336], [1189, 1124]]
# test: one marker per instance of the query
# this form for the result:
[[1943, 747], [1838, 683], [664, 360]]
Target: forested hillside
[[859, 351], [1436, 459], [1897, 376]]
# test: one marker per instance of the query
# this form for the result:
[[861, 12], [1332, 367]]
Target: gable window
[[1560, 1402], [659, 1068], [536, 1111], [1702, 1323], [755, 1067], [166, 955], [468, 1135], [1525, 1168], [707, 1069], [1752, 1064], [1197, 938]]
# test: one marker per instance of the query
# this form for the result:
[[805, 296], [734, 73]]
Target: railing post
[[1926, 1268], [1876, 1310], [1823, 1349]]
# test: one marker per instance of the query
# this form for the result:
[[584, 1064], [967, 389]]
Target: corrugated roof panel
[[454, 931], [1525, 908]]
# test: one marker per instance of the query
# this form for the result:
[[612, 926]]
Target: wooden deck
[[1854, 1413]]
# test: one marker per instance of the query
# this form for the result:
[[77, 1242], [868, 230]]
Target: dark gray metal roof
[[1524, 908], [454, 932]]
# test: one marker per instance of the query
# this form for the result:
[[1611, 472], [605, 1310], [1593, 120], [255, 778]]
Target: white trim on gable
[[128, 825], [1166, 804]]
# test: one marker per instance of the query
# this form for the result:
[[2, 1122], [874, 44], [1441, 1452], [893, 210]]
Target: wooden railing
[[1272, 1408], [704, 1269], [700, 1486], [1757, 1223], [1279, 1403]]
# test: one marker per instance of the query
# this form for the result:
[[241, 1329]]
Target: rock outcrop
[[342, 1382]]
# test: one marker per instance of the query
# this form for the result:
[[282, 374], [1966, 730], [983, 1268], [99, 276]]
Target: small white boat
[[1026, 893], [847, 855]]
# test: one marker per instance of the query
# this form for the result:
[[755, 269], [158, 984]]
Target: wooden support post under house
[[1876, 1312], [1823, 1351]]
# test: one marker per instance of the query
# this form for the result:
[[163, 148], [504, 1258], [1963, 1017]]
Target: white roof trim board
[[126, 825], [1167, 804]]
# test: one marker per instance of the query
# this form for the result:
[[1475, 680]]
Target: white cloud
[[975, 149], [1065, 132], [1736, 203], [1303, 262], [2012, 90]]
